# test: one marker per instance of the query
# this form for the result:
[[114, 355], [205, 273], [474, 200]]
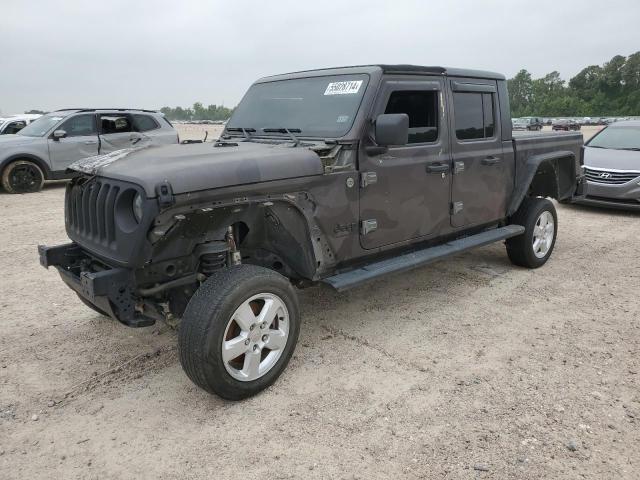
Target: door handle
[[90, 142], [135, 140], [491, 160], [437, 168]]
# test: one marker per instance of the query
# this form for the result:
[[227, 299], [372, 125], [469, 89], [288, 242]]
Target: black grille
[[610, 176], [90, 210]]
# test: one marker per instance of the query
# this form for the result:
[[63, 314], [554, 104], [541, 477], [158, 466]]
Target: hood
[[203, 166], [16, 140], [611, 159]]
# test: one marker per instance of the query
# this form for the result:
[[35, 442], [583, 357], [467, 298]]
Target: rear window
[[144, 123]]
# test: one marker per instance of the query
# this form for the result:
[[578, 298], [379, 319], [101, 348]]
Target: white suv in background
[[15, 123], [45, 148]]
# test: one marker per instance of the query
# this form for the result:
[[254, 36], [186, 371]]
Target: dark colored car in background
[[612, 167], [527, 123], [565, 124]]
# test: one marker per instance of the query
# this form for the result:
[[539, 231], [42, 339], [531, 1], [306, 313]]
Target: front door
[[405, 192], [482, 175], [80, 142]]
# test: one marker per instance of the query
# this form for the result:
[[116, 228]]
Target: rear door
[[80, 142], [117, 132], [482, 177], [405, 192], [153, 131]]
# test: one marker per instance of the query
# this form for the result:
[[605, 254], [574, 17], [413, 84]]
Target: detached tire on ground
[[533, 248], [239, 331], [22, 176]]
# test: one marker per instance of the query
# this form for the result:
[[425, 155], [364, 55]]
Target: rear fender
[[550, 175]]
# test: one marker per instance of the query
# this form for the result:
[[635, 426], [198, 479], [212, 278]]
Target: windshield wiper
[[288, 131], [245, 131]]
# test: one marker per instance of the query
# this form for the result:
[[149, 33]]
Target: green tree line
[[198, 112], [612, 89]]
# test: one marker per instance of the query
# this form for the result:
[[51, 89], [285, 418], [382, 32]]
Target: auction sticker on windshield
[[343, 88]]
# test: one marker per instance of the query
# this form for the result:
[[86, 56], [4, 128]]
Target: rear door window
[[489, 117], [144, 123], [474, 115], [110, 124]]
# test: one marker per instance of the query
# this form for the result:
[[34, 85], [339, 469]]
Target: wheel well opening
[[545, 181]]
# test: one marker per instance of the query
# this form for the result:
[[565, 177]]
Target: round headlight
[[137, 207]]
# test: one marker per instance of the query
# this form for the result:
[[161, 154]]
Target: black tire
[[205, 321], [91, 305], [521, 248], [22, 176]]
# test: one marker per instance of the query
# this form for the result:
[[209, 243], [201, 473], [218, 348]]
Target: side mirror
[[58, 134], [392, 129]]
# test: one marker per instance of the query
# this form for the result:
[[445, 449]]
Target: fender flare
[[561, 163], [301, 244], [48, 174]]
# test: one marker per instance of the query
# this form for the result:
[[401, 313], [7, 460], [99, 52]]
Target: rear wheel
[[239, 331], [22, 176], [533, 248]]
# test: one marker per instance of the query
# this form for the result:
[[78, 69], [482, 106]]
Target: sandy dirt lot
[[197, 132], [470, 368]]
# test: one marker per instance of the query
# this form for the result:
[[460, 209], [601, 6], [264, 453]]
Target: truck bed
[[561, 151], [524, 135]]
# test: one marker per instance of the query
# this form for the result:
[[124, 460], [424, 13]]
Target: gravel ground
[[470, 368]]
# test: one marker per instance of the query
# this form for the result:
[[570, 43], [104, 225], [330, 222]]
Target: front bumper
[[624, 196], [109, 289], [608, 203]]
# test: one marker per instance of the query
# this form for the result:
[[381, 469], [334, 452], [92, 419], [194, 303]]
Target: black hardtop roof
[[392, 69]]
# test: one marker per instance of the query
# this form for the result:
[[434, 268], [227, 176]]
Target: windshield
[[312, 107], [41, 126], [622, 138]]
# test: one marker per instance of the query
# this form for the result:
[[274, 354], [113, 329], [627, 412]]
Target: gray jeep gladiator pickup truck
[[336, 176]]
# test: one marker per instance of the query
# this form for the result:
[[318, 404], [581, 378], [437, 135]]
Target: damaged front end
[[142, 267], [144, 241], [112, 262], [138, 297]]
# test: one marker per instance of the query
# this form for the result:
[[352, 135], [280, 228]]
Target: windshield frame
[[626, 127], [63, 116], [353, 123]]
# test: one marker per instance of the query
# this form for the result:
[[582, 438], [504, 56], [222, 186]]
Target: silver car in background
[[612, 167], [44, 149]]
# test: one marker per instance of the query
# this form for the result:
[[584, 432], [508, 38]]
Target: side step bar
[[408, 261]]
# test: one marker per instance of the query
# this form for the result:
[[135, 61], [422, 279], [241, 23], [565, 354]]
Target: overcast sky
[[148, 54]]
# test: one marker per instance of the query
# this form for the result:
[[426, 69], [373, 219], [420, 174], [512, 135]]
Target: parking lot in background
[[470, 367]]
